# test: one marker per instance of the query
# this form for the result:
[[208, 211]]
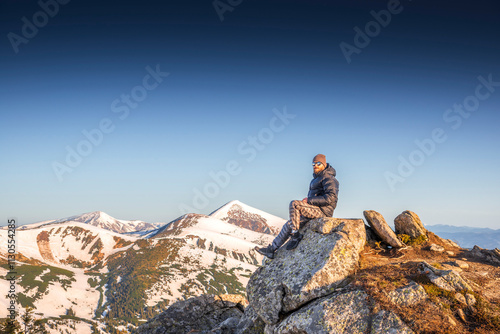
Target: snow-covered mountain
[[216, 235], [105, 271], [102, 220], [68, 244], [52, 268], [243, 215]]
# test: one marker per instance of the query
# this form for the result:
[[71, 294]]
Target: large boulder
[[327, 254], [410, 224], [250, 323], [347, 312], [383, 230], [201, 313], [386, 322]]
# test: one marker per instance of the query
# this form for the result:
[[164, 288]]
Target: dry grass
[[383, 269]]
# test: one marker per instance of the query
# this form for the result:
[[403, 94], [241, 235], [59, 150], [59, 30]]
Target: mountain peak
[[234, 201], [240, 214], [102, 220], [226, 206]]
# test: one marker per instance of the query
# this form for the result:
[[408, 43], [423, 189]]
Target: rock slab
[[383, 230], [338, 313], [491, 256], [201, 313], [448, 280], [408, 295], [250, 323], [327, 254], [386, 322]]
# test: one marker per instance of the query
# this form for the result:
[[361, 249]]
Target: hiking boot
[[266, 251], [294, 240]]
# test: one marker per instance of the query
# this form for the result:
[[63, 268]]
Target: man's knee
[[294, 203]]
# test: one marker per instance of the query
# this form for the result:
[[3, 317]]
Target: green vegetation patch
[[25, 301], [219, 280], [31, 277], [132, 272], [407, 240]]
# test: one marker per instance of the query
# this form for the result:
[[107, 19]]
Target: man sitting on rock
[[320, 202]]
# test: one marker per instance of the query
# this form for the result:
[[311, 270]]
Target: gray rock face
[[409, 223], [371, 235], [386, 322], [448, 280], [383, 230], [228, 326], [408, 295], [491, 256], [338, 313], [201, 313], [327, 254], [269, 329], [250, 323]]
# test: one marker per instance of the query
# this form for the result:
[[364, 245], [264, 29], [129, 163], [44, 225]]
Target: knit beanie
[[321, 158]]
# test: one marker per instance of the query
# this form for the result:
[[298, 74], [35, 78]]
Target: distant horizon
[[391, 223]]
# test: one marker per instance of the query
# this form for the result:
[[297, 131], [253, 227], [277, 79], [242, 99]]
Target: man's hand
[[304, 199]]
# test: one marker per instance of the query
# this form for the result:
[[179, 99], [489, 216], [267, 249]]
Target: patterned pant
[[300, 213]]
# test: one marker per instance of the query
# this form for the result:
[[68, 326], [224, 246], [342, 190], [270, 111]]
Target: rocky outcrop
[[409, 223], [491, 256], [408, 295], [386, 322], [448, 280], [202, 313], [383, 230], [250, 323], [252, 221], [328, 253], [335, 282], [347, 312]]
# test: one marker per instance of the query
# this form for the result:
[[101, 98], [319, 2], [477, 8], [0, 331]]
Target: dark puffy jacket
[[324, 190]]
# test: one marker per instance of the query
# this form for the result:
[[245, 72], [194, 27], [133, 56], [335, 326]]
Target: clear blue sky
[[228, 80]]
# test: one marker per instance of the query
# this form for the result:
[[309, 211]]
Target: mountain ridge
[[241, 214], [467, 236], [99, 219], [128, 276]]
